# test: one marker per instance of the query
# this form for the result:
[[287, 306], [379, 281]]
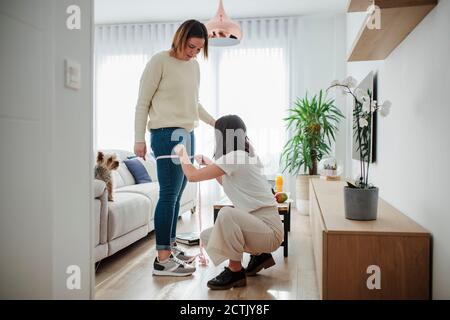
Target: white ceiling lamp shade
[[222, 31]]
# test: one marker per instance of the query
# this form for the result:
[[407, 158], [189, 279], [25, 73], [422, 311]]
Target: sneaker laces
[[177, 250], [179, 261]]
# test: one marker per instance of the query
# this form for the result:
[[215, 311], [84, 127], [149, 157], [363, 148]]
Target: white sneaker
[[172, 267]]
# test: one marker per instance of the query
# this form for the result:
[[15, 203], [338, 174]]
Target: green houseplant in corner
[[313, 122], [361, 197]]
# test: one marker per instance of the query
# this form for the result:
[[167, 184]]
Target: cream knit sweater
[[168, 95]]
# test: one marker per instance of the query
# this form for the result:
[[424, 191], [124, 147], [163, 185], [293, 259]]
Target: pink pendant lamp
[[222, 31]]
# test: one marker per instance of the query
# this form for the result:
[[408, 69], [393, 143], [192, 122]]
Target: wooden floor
[[128, 273]]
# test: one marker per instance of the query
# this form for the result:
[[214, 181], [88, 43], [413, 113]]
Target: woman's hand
[[203, 160], [140, 149], [179, 150]]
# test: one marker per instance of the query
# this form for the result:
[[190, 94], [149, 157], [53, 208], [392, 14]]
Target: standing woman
[[168, 99]]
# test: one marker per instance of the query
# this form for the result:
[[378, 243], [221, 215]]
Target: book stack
[[189, 238]]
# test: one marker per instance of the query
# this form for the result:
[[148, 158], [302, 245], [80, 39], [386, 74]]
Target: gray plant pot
[[361, 204]]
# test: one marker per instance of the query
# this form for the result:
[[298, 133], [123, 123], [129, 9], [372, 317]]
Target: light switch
[[73, 74]]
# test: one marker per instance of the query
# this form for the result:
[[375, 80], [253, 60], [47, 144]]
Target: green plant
[[314, 123], [364, 108]]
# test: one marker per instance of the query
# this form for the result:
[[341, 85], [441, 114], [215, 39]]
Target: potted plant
[[314, 123], [330, 169], [361, 197]]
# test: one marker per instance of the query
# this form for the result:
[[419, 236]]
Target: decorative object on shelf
[[222, 31], [314, 123], [361, 197], [329, 170]]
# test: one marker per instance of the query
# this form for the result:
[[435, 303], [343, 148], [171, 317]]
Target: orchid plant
[[364, 109]]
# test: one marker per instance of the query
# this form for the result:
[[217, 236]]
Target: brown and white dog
[[105, 164]]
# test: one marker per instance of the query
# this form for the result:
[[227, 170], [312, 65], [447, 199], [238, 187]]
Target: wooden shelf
[[398, 19], [344, 249]]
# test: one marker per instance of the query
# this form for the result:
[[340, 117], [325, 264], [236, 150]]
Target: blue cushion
[[137, 170], [151, 154]]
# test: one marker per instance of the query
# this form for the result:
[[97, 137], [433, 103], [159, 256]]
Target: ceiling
[[126, 11]]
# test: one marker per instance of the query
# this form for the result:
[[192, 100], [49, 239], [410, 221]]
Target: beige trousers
[[237, 231]]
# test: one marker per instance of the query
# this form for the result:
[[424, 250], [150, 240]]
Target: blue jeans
[[172, 181]]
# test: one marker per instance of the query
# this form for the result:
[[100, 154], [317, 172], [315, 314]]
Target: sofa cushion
[[149, 190], [150, 164], [138, 170], [122, 176], [127, 212]]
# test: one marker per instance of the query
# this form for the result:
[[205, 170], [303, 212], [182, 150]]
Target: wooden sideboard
[[389, 258]]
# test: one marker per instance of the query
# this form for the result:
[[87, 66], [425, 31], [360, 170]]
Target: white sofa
[[130, 216]]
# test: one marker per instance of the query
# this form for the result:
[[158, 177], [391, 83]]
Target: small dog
[[105, 164]]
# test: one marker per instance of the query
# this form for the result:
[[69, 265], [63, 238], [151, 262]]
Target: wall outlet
[[73, 74]]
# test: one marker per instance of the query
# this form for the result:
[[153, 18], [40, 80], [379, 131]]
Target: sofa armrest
[[99, 188], [101, 193]]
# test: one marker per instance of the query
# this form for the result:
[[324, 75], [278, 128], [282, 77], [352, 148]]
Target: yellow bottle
[[279, 183]]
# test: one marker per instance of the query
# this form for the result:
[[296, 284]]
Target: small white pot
[[302, 186], [330, 173]]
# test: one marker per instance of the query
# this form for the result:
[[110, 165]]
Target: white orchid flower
[[366, 106], [384, 112], [387, 104], [385, 108], [350, 82], [363, 122]]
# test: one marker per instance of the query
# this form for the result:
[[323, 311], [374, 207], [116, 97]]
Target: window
[[117, 87], [252, 84]]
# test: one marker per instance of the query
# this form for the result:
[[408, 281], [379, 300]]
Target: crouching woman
[[253, 225]]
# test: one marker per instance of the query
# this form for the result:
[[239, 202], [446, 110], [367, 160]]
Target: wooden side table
[[284, 209]]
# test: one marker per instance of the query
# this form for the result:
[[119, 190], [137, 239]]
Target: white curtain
[[252, 80]]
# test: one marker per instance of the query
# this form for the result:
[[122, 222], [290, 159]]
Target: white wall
[[73, 156], [46, 151], [413, 144], [321, 59]]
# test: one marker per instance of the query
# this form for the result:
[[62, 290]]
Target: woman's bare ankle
[[163, 255], [235, 266]]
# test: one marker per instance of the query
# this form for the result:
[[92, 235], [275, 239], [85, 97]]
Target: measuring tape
[[201, 256]]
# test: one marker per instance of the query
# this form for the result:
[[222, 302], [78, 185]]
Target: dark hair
[[190, 29], [227, 127]]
